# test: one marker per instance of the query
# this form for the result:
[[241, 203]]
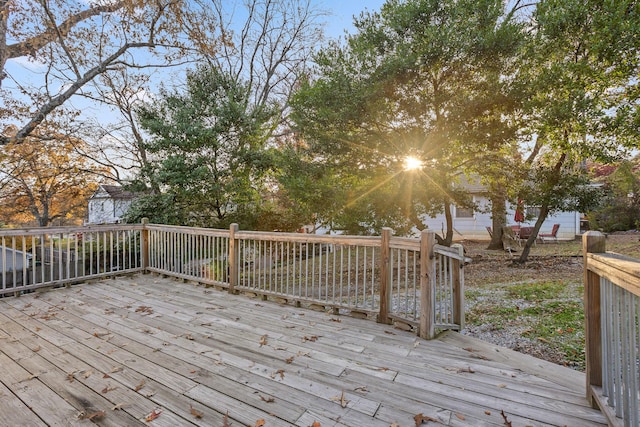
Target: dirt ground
[[535, 308]]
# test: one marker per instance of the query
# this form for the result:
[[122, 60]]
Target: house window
[[533, 211], [464, 212]]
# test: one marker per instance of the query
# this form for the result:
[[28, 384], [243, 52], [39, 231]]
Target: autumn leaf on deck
[[260, 423], [419, 419], [389, 332], [362, 388], [225, 421], [315, 424], [460, 417], [267, 399], [263, 340], [91, 416], [507, 423], [144, 309], [341, 399], [336, 319], [116, 369], [153, 415], [139, 386], [118, 407], [70, 377], [195, 412], [312, 338], [37, 349], [467, 369], [290, 360], [87, 374], [394, 425], [279, 371], [107, 389]]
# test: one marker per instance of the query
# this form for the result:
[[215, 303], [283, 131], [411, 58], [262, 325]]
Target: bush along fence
[[411, 282], [612, 330]]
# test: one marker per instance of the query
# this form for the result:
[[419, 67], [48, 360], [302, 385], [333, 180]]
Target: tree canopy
[[209, 154]]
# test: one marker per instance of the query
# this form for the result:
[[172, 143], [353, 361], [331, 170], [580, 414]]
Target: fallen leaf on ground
[[507, 423], [37, 349], [118, 407], [290, 360], [394, 425], [267, 399], [303, 353], [92, 415], [263, 340], [260, 423], [468, 369], [389, 332], [70, 377], [420, 418], [315, 424], [543, 339], [312, 338], [341, 399], [487, 412], [139, 386], [502, 385], [144, 309], [362, 388], [30, 377], [116, 369], [107, 389], [335, 319], [225, 421], [153, 415], [195, 412], [279, 371], [87, 374], [460, 417]]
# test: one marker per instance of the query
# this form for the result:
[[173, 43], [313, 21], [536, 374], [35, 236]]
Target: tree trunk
[[498, 220], [544, 211]]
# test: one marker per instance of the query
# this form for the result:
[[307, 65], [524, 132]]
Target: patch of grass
[[548, 313]]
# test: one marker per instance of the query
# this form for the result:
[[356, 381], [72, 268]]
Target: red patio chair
[[551, 236]]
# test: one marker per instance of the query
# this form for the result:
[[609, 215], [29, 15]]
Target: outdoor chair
[[551, 236]]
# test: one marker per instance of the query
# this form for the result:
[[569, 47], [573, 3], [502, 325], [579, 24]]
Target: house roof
[[115, 192]]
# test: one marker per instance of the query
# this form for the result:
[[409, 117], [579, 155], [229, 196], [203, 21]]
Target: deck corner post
[[592, 242], [385, 276], [233, 258], [427, 328], [144, 245], [457, 275]]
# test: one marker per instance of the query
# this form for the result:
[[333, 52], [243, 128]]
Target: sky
[[342, 12]]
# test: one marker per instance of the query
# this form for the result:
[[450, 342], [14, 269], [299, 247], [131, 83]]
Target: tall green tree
[[580, 71], [209, 153], [427, 79]]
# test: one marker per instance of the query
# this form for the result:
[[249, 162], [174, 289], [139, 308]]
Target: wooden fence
[[612, 311], [413, 282]]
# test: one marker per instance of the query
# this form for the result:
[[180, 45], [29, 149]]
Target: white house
[[108, 204], [12, 259], [472, 223]]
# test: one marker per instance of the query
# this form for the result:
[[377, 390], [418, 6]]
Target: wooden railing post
[[233, 258], [385, 276], [457, 275], [144, 243], [592, 242], [427, 328]]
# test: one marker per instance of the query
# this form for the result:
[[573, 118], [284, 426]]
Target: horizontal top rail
[[622, 270], [67, 230], [308, 238], [188, 230]]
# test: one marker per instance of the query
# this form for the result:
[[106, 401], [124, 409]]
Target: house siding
[[475, 228]]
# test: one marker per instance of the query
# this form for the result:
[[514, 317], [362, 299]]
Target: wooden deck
[[115, 351]]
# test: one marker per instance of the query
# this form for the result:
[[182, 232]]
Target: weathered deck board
[[146, 342]]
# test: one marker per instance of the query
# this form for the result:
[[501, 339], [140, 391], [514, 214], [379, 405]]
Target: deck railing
[[412, 282], [612, 312], [43, 257]]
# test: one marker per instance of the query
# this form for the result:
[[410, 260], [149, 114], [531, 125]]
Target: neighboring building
[[11, 259], [472, 223], [108, 204]]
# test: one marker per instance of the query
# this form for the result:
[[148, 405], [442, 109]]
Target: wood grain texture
[[147, 342]]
